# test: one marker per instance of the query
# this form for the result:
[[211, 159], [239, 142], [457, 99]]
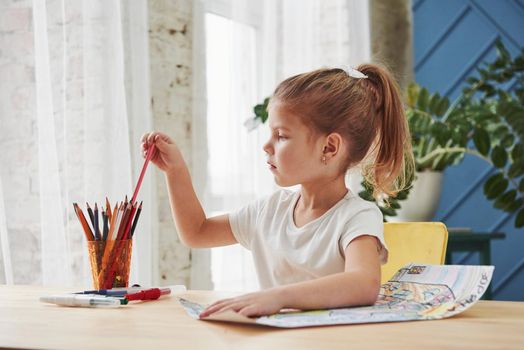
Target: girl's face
[[293, 153]]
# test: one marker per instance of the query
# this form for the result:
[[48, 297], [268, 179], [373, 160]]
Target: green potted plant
[[486, 120]]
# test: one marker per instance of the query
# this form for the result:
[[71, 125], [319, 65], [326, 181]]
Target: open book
[[415, 292]]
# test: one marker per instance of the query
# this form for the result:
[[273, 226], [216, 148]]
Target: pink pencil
[[151, 152]]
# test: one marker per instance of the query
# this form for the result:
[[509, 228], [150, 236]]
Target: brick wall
[[170, 45]]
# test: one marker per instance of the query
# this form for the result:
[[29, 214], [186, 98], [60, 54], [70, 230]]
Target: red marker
[[148, 294]]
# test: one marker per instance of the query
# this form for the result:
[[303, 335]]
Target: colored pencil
[[108, 209], [150, 154], [136, 219], [105, 227], [83, 222], [96, 226], [91, 216], [128, 224], [123, 222]]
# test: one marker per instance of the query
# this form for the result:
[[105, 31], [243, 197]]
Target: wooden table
[[164, 324], [480, 242]]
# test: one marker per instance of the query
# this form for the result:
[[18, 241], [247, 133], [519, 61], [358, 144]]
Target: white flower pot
[[423, 198]]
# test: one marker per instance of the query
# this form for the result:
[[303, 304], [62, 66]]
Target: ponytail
[[392, 164]]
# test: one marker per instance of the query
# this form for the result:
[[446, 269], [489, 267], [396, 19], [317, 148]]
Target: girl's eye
[[280, 137]]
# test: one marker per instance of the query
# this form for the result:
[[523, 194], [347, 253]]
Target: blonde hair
[[367, 112]]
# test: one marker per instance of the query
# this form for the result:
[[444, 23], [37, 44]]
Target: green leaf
[[422, 101], [402, 195], [495, 185], [440, 132], [521, 185], [388, 211], [499, 156], [508, 140], [442, 107], [502, 51], [412, 95], [394, 204], [472, 80], [481, 141], [513, 206], [503, 108], [517, 152], [519, 219], [366, 195], [505, 200], [433, 103], [516, 169], [260, 112]]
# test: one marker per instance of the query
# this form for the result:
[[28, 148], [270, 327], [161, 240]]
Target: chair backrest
[[420, 242]]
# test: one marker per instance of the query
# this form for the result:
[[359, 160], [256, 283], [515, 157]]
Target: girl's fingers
[[248, 311], [144, 137], [212, 309], [222, 301], [162, 137], [145, 148], [151, 138], [217, 306], [234, 307]]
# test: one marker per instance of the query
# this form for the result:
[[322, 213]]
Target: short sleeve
[[244, 222], [369, 222]]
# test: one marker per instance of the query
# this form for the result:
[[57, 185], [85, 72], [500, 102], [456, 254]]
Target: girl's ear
[[333, 145]]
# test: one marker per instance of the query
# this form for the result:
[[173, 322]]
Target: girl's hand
[[168, 157], [261, 303]]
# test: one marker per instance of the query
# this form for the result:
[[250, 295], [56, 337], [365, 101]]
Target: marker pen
[[120, 292], [81, 300], [114, 291]]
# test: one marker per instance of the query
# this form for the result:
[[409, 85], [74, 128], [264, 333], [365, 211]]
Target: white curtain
[[6, 267], [90, 106], [248, 48]]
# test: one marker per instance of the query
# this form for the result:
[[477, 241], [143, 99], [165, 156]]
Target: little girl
[[321, 246]]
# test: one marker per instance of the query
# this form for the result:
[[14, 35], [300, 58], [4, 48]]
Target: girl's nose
[[267, 147]]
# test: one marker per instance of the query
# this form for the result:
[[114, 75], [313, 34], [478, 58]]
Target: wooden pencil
[[83, 222], [123, 223], [98, 237], [108, 209], [127, 229], [136, 219], [91, 216], [104, 227]]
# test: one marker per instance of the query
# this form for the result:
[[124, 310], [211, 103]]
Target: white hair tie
[[352, 72]]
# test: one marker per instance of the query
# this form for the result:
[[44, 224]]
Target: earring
[[324, 160]]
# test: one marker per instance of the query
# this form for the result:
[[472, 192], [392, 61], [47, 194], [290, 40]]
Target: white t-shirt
[[284, 253]]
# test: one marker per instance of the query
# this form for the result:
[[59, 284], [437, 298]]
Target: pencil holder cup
[[110, 263]]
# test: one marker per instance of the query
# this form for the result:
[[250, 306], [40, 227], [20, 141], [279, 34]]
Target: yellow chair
[[420, 242]]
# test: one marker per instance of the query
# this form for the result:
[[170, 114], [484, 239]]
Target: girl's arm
[[194, 229], [358, 285]]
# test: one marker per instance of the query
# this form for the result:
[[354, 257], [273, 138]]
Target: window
[[235, 154]]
